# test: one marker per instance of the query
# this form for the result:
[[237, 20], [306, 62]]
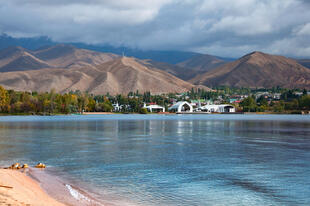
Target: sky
[[229, 28]]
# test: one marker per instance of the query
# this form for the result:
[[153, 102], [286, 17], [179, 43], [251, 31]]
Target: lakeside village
[[219, 100]]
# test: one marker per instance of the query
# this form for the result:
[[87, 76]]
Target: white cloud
[[221, 27], [304, 30]]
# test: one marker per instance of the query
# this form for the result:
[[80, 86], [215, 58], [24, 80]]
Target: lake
[[170, 159]]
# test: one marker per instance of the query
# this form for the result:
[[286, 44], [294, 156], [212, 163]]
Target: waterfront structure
[[154, 108], [116, 107], [181, 107], [222, 108]]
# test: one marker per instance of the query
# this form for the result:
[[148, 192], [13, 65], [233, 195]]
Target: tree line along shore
[[274, 100]]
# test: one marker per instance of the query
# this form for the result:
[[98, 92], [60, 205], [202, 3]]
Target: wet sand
[[16, 188], [39, 187], [36, 187]]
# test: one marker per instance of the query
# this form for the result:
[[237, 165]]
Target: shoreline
[[19, 189], [36, 187], [164, 113]]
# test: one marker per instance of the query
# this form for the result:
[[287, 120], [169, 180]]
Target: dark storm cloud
[[220, 27]]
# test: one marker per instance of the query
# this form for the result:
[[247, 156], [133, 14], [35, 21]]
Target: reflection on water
[[171, 160]]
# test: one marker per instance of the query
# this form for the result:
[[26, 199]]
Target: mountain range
[[67, 68], [257, 70], [189, 68], [58, 56], [34, 43]]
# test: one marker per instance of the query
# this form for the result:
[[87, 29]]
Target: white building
[[116, 107], [218, 108], [154, 108], [181, 107], [277, 96], [298, 93]]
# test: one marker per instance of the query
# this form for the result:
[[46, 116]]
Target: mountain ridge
[[58, 56], [117, 76], [200, 64], [258, 69], [34, 43]]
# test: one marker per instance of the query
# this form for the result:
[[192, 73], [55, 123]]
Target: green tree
[[248, 104], [304, 92], [91, 105], [305, 102], [279, 106], [4, 100], [17, 107], [262, 101], [143, 111], [107, 106], [82, 102]]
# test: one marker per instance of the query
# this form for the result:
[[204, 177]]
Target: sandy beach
[[36, 187], [16, 188]]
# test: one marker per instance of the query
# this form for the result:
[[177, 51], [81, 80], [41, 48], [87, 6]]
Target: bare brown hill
[[67, 56], [188, 69], [200, 64], [175, 70], [59, 56], [118, 76], [258, 69], [19, 59], [9, 53]]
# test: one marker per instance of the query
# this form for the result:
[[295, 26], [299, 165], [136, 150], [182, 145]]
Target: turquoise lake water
[[170, 160]]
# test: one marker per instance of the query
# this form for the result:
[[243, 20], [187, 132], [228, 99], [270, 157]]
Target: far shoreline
[[292, 112]]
